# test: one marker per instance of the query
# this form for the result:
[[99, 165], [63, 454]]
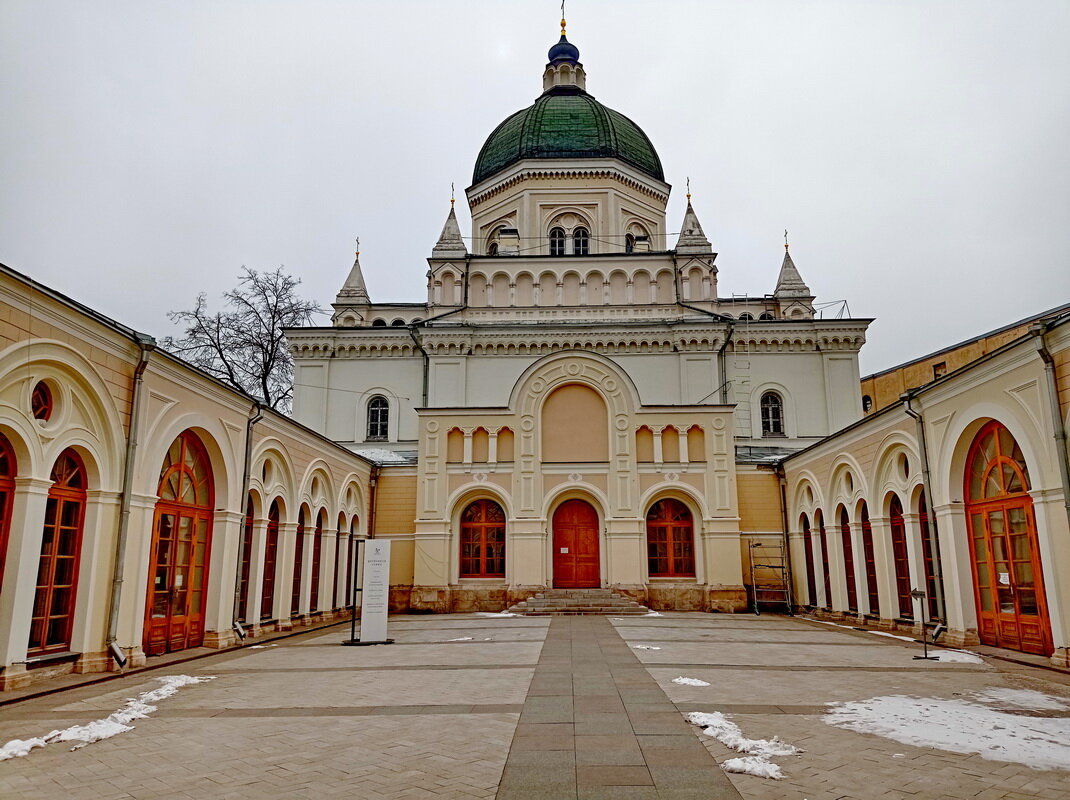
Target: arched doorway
[[483, 540], [869, 555], [8, 470], [575, 541], [848, 560], [299, 564], [271, 557], [317, 555], [246, 561], [822, 540], [61, 548], [1008, 584], [900, 560], [670, 540], [178, 562], [808, 556]]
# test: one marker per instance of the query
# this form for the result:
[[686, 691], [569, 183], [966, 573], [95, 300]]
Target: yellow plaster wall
[[759, 501], [395, 513], [575, 425]]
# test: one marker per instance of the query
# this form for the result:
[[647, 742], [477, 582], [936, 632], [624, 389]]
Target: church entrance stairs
[[579, 601]]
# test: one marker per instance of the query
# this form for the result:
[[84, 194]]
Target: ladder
[[769, 571]]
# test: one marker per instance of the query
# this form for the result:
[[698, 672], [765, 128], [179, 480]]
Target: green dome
[[566, 122]]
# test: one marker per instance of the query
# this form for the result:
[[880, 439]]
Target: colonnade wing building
[[574, 404]]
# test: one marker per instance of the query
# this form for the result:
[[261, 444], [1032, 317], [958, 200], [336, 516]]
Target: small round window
[[41, 401]]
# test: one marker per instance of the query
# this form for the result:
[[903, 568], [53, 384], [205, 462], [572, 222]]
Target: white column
[[468, 447], [256, 573], [284, 572], [492, 448], [683, 447], [222, 573], [304, 604], [20, 570], [328, 572], [657, 447], [884, 563], [861, 583]]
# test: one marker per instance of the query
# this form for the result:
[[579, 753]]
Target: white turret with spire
[[692, 237], [792, 293]]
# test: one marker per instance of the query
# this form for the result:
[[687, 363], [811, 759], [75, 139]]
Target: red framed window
[[271, 556], [246, 559], [317, 553], [670, 540], [930, 556], [8, 470], [900, 560], [868, 552], [848, 560], [483, 540], [61, 545], [823, 543], [299, 561], [808, 555], [41, 401]]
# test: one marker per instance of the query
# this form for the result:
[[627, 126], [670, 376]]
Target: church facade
[[573, 403]]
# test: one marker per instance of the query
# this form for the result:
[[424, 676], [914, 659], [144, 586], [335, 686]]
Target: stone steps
[[578, 601]]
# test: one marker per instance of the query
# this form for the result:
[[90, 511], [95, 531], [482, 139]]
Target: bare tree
[[244, 345]]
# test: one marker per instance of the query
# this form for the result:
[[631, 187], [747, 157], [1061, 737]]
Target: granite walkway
[[596, 726]]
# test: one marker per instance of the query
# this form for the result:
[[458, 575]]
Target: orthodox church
[[574, 405]]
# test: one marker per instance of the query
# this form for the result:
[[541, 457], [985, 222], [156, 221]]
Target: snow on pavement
[[757, 751], [965, 725], [645, 647], [689, 681], [118, 722]]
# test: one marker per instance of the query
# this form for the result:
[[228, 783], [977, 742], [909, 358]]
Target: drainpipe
[[783, 481], [373, 483], [1040, 331], [722, 364], [926, 482], [427, 362], [146, 345], [256, 414]]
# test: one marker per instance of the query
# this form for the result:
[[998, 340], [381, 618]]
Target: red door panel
[[575, 541]]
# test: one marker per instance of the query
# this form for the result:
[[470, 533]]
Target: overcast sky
[[916, 151]]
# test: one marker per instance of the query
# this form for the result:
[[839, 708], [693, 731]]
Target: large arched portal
[[178, 562], [575, 540], [1008, 585]]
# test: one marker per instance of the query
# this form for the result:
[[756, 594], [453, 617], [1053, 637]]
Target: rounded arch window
[[746, 316], [996, 466], [379, 323], [670, 540], [557, 241], [629, 243], [41, 402], [271, 555], [867, 404], [378, 419], [581, 242], [765, 316], [492, 249], [61, 547], [483, 540], [772, 410]]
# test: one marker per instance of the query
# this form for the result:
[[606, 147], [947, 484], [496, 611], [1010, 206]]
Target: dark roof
[[566, 122]]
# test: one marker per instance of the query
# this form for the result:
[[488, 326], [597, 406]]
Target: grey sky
[[917, 151]]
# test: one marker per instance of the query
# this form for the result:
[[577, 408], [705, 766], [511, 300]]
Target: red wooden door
[[181, 542], [575, 526]]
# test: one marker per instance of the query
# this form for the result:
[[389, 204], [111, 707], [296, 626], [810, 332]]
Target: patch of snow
[[1022, 698], [496, 614], [725, 731], [652, 614], [959, 726], [689, 681], [461, 639], [383, 456], [891, 636], [645, 647], [757, 752], [758, 766], [957, 657], [118, 722], [260, 646]]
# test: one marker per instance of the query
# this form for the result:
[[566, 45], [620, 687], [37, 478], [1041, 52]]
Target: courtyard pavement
[[470, 706]]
